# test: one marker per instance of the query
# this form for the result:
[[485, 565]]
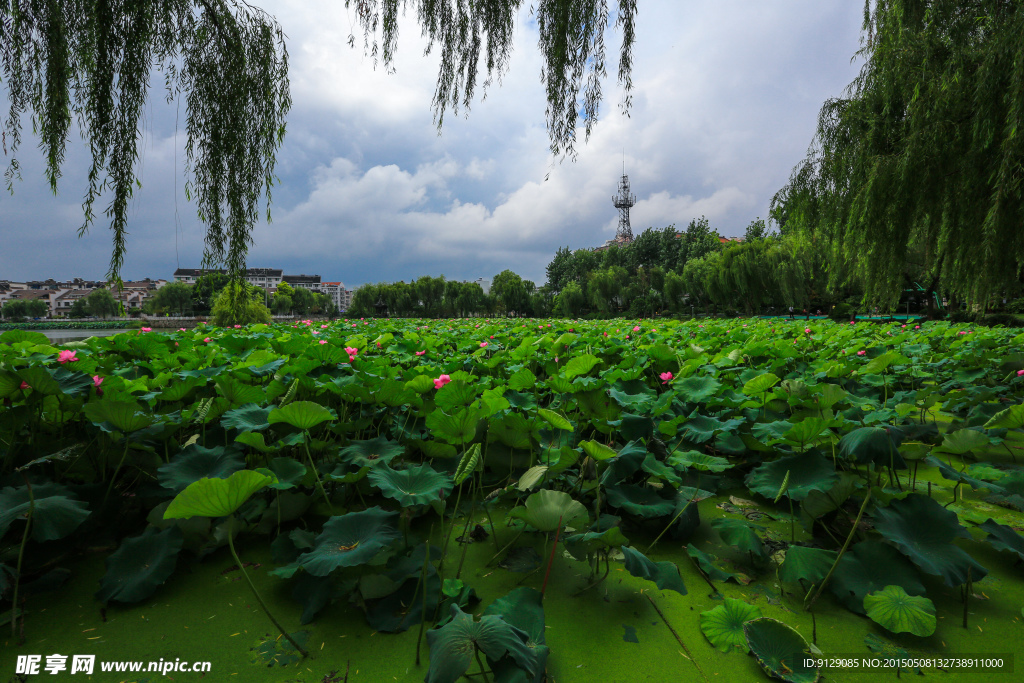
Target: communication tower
[[623, 201]]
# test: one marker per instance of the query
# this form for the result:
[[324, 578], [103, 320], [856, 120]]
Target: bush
[[841, 312], [1004, 319]]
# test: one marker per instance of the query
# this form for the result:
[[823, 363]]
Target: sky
[[725, 102]]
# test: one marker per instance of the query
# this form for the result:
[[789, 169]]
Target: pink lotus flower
[[917, 327], [147, 329], [441, 381], [844, 352], [605, 334], [181, 329], [351, 359], [97, 381], [238, 327], [351, 351], [366, 323], [420, 353], [861, 352], [636, 329], [66, 356], [807, 330], [492, 336], [323, 327], [903, 326], [852, 322], [175, 343], [316, 331], [483, 344], [1020, 373], [666, 377], [323, 341], [24, 385], [627, 336], [207, 340]]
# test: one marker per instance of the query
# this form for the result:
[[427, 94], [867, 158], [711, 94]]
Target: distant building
[[267, 278]]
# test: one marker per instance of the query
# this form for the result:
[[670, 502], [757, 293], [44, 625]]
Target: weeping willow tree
[[92, 61], [920, 164]]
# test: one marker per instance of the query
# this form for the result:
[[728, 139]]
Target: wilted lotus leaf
[[780, 650]]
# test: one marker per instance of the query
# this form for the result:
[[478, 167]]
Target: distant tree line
[[436, 297]]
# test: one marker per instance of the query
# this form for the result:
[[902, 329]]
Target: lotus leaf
[[554, 419], [545, 508], [417, 485], [216, 497], [924, 531], [806, 564], [347, 540], [580, 365], [1003, 538], [807, 472], [706, 562], [665, 575], [453, 646], [697, 389], [879, 445], [893, 609], [140, 565], [723, 625], [54, 513], [195, 462], [247, 418], [740, 535], [371, 452], [641, 501], [288, 471], [869, 566], [780, 650], [301, 414]]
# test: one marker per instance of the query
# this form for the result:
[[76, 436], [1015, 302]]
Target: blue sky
[[726, 97]]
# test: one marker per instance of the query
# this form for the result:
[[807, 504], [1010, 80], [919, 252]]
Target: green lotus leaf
[[512, 429], [665, 575], [532, 477], [893, 609], [806, 564], [828, 395], [723, 625], [124, 416], [371, 452], [808, 432], [257, 441], [780, 651], [140, 565], [625, 463], [315, 593], [879, 445], [248, 418], [706, 562], [457, 428], [39, 379], [701, 428], [870, 566], [580, 365], [1003, 537], [962, 441], [522, 608], [17, 336], [634, 402], [582, 545], [740, 534], [455, 395], [554, 419], [880, 363], [660, 470], [924, 531], [9, 383], [195, 462], [545, 508], [301, 414], [239, 393], [417, 485], [179, 389], [641, 501], [72, 383], [453, 646], [697, 389], [521, 380], [347, 540], [267, 368], [951, 474], [817, 504], [760, 384], [598, 451], [54, 513], [807, 472], [683, 460], [216, 497], [1011, 418], [288, 471]]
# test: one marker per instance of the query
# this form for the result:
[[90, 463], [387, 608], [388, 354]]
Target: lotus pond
[[509, 500]]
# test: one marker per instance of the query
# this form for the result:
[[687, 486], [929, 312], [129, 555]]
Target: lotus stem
[[252, 586], [316, 473], [483, 669], [423, 582], [551, 559], [507, 546], [117, 470], [968, 587], [21, 556], [678, 639], [842, 551]]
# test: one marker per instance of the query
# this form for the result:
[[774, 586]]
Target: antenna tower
[[623, 201]]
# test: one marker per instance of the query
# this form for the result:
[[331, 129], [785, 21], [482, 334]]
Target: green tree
[[558, 271], [699, 239], [174, 298], [510, 292], [281, 303], [206, 289], [757, 230], [79, 309], [922, 157], [570, 301], [37, 308], [101, 303], [236, 306], [303, 301], [430, 291], [15, 308]]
